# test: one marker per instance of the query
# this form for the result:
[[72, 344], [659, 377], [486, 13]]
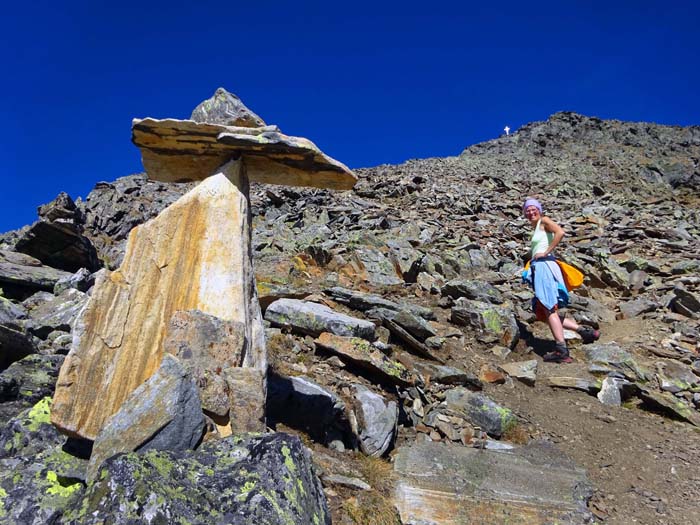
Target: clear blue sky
[[369, 82]]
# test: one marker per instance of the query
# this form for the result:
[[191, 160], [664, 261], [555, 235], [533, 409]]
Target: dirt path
[[645, 468]]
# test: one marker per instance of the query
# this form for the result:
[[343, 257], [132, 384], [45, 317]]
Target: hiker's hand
[[539, 256]]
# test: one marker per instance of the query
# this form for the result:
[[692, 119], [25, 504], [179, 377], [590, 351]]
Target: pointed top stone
[[227, 109], [191, 150]]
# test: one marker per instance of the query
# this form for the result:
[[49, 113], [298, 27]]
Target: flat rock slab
[[440, 484], [525, 371], [22, 275], [183, 150], [361, 353], [314, 319]]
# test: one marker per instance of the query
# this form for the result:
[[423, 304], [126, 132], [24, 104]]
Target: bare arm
[[552, 227]]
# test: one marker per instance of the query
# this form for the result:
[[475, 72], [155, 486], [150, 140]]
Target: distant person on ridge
[[545, 276]]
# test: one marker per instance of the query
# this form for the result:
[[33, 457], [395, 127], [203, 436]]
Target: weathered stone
[[59, 245], [410, 342], [405, 258], [345, 481], [58, 313], [266, 480], [11, 313], [364, 301], [247, 390], [207, 347], [414, 325], [611, 354], [685, 302], [164, 413], [671, 406], [227, 109], [361, 353], [181, 260], [612, 274], [447, 375], [490, 374], [474, 290], [22, 275], [39, 481], [313, 319], [14, 345], [300, 403], [452, 485], [610, 392], [577, 383], [370, 265], [81, 280], [29, 380], [184, 150], [376, 421], [495, 323], [525, 371], [677, 377], [638, 307], [481, 410]]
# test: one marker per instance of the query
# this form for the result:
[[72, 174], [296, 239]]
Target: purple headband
[[532, 202]]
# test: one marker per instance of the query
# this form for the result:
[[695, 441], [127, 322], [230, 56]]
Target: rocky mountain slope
[[396, 316]]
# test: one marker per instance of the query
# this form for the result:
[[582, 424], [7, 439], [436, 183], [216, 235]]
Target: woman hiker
[[548, 282]]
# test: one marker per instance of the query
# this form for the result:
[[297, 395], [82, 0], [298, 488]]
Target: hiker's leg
[[555, 325], [570, 324]]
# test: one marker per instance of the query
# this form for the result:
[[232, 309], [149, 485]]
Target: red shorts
[[541, 313]]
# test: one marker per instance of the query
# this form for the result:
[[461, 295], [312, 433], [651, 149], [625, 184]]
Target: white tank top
[[540, 240]]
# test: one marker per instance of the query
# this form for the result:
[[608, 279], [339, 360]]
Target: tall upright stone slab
[[195, 255]]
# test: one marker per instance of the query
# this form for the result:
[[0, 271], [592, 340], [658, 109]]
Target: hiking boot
[[588, 334], [559, 355]]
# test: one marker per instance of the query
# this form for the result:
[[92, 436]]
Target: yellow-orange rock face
[[194, 255]]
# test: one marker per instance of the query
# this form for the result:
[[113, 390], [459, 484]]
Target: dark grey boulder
[[164, 413], [472, 289], [22, 275], [685, 302], [14, 345], [239, 480], [57, 238], [11, 314], [301, 404], [638, 307], [447, 375], [416, 326], [30, 379]]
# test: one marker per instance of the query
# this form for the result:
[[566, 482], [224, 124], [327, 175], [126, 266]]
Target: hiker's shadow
[[538, 345]]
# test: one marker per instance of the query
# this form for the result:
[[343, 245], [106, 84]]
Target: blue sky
[[369, 82]]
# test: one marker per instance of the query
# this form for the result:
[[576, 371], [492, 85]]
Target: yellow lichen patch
[[40, 414]]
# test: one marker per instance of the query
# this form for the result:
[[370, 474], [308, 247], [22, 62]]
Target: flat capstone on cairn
[[195, 255]]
